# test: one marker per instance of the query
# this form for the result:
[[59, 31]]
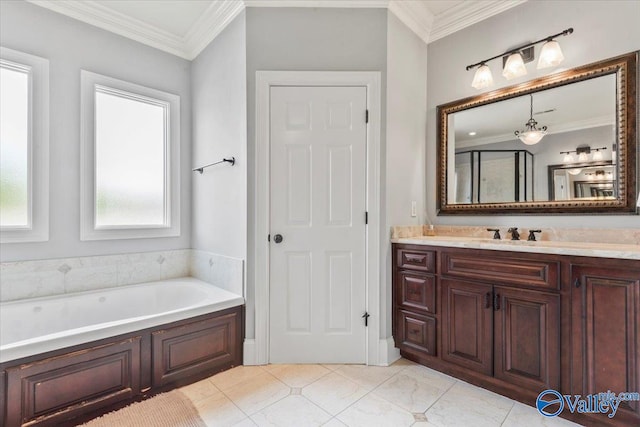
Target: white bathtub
[[38, 325]]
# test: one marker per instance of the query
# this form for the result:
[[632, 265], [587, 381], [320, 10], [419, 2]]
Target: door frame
[[264, 81]]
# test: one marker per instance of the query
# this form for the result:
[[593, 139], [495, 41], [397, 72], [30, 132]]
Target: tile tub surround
[[403, 394], [39, 278]]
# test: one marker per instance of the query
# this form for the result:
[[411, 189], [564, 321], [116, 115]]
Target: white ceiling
[[185, 27]]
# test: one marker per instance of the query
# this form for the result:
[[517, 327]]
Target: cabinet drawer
[[417, 333], [417, 291], [499, 269], [416, 260]]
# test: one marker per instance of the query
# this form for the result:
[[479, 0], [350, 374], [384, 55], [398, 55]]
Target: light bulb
[[550, 55], [583, 157], [597, 156], [483, 78], [514, 67], [575, 171], [568, 158]]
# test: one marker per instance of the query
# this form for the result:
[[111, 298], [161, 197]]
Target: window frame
[[37, 229], [90, 83]]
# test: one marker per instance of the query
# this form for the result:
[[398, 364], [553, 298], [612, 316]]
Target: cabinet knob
[[487, 300], [577, 283], [496, 302]]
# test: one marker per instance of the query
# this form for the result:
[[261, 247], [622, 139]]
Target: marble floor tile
[[415, 388], [373, 411], [369, 377], [464, 405], [257, 393], [227, 379], [292, 411], [334, 422], [297, 375], [218, 411], [247, 422], [200, 390], [334, 393], [527, 416]]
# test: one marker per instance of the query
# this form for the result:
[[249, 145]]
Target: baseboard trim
[[387, 352], [249, 352]]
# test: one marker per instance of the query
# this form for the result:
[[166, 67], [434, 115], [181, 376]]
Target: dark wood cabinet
[[414, 297], [69, 386], [520, 323], [605, 314], [467, 325], [527, 338]]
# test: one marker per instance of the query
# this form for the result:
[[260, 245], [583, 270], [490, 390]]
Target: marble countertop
[[601, 250]]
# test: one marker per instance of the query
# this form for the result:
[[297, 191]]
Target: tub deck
[[86, 371]]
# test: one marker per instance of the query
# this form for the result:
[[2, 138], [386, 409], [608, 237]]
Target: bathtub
[[38, 325]]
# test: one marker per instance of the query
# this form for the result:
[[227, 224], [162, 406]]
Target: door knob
[[277, 238]]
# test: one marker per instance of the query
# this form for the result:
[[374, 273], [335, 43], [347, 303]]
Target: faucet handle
[[496, 233], [514, 233], [532, 236]]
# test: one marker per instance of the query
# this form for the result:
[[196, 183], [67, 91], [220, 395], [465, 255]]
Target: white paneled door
[[318, 233]]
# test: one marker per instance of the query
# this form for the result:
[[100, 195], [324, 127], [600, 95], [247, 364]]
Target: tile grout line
[[508, 413]]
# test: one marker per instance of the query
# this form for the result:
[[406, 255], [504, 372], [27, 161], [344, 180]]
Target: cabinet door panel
[[606, 336], [467, 325], [527, 338]]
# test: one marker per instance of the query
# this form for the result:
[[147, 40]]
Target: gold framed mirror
[[589, 117]]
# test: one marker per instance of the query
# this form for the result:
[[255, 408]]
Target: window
[[130, 160], [24, 147]]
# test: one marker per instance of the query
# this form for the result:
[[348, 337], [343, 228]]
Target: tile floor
[[404, 394]]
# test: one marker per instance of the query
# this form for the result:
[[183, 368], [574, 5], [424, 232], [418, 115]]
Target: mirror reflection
[[574, 160]]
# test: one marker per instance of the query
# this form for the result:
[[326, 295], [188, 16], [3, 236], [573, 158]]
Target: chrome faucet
[[514, 233]]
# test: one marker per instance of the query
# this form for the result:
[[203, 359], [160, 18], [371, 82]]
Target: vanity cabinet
[[605, 316], [519, 323], [508, 333], [414, 296]]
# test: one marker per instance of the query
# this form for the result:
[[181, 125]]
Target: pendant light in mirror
[[531, 135]]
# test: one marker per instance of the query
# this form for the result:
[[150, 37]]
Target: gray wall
[[603, 29], [70, 45], [306, 39], [218, 79], [405, 149]]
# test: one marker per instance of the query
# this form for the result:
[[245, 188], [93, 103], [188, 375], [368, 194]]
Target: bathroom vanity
[[521, 318]]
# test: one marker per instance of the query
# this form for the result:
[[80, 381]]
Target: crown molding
[[103, 17], [215, 19], [414, 14], [468, 13], [319, 3]]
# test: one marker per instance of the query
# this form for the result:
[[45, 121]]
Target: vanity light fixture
[[483, 77], [583, 153], [531, 135], [550, 56], [514, 67]]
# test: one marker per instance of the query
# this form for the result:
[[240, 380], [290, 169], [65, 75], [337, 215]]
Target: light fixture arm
[[518, 49]]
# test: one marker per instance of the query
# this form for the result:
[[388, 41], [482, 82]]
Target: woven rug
[[172, 409]]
